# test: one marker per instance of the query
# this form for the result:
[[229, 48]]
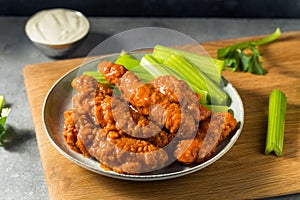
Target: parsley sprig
[[4, 112], [245, 56]]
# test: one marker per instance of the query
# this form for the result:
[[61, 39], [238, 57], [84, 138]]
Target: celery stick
[[191, 74], [217, 108], [145, 77], [186, 70], [99, 77], [127, 61], [96, 75], [211, 67], [133, 65], [157, 69], [269, 38], [276, 120]]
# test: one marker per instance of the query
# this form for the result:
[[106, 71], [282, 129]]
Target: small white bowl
[[57, 31]]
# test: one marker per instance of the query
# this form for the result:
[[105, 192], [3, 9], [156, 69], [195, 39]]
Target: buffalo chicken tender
[[144, 128], [122, 154], [210, 134], [168, 101]]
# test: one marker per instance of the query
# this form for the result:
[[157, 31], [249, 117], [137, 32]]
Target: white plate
[[59, 99]]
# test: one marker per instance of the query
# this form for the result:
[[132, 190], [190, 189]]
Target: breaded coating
[[166, 100], [210, 134], [145, 127], [178, 92], [116, 117], [139, 153], [112, 72], [70, 134]]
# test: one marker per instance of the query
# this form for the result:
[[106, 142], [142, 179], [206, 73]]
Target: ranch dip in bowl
[[57, 31]]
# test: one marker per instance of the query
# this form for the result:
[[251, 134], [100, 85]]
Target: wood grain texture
[[243, 173]]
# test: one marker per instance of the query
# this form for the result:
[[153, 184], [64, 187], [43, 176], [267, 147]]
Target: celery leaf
[[245, 56]]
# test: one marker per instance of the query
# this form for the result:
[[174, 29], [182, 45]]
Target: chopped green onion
[[211, 67], [276, 121]]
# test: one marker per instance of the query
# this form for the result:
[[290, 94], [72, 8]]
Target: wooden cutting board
[[243, 173]]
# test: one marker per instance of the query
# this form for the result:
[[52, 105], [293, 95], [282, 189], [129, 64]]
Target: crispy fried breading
[[210, 133], [128, 133]]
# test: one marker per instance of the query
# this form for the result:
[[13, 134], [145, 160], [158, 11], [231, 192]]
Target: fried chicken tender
[[210, 134], [71, 135], [118, 118], [179, 92], [134, 133], [112, 72], [122, 154], [166, 100], [151, 102], [143, 96]]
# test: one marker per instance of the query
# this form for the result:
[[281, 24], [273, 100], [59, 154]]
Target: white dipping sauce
[[57, 26]]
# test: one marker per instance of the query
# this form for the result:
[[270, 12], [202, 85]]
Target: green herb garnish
[[4, 112], [245, 56]]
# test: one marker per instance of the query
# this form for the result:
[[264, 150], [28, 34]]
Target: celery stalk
[[245, 56], [216, 108], [127, 61], [211, 67], [95, 74], [99, 77], [276, 120], [269, 38], [156, 69], [191, 74], [133, 65]]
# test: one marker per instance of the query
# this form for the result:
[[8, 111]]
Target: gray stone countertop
[[21, 173]]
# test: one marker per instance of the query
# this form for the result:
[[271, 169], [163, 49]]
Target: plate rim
[[140, 177]]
